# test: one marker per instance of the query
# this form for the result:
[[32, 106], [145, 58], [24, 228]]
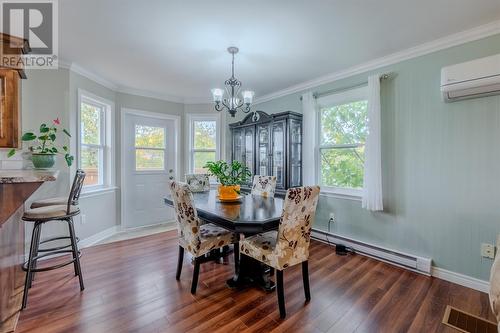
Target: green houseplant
[[230, 177], [43, 146]]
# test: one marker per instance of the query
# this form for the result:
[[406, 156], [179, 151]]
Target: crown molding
[[150, 94], [93, 76], [74, 67], [463, 37]]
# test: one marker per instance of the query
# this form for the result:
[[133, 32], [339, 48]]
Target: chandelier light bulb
[[248, 96], [217, 94]]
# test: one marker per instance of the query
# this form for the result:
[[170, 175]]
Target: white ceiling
[[178, 48]]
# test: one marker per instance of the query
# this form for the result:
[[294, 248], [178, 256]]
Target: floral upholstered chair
[[290, 244], [264, 185], [198, 182], [198, 239]]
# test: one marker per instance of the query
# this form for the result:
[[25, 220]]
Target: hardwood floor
[[131, 287]]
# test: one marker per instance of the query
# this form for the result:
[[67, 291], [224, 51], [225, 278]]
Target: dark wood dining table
[[250, 215]]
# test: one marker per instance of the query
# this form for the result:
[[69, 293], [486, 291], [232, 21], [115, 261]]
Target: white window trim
[[108, 144], [191, 118], [343, 97]]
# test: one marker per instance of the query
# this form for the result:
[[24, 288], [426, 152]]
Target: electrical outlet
[[83, 219], [488, 250]]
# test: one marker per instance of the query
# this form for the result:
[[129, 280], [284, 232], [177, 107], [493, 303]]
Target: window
[[94, 140], [342, 135], [204, 141], [149, 148]]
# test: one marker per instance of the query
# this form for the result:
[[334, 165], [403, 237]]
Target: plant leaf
[[52, 137], [65, 148], [44, 128], [69, 159], [28, 136], [54, 150], [66, 132], [11, 152]]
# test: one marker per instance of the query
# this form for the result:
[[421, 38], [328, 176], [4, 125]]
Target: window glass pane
[[200, 158], [342, 167], [149, 159], [205, 134], [90, 124], [344, 124], [90, 163], [149, 137]]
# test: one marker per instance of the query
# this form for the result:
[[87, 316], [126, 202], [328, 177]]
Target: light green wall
[[440, 166]]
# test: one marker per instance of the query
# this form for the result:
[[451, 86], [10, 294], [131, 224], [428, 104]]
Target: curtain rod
[[333, 91]]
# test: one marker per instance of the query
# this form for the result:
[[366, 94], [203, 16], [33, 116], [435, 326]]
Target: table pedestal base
[[251, 272]]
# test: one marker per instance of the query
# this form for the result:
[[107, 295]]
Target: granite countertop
[[27, 176]]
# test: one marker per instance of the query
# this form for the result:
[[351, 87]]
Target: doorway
[[150, 147]]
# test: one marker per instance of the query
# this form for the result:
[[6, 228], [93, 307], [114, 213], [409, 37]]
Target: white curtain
[[308, 138], [372, 184]]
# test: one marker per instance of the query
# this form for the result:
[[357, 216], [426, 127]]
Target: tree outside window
[[343, 131]]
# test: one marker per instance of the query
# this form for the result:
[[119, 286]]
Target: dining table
[[247, 216]]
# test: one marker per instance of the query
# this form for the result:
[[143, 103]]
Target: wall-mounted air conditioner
[[472, 79]]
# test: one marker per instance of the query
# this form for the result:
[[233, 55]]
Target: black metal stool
[[45, 214]]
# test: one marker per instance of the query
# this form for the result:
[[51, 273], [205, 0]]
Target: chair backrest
[[294, 232], [198, 182], [264, 185], [76, 189], [188, 224]]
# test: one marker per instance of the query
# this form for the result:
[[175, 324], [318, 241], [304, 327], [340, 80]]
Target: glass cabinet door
[[295, 162], [249, 149], [278, 149], [238, 148], [263, 150]]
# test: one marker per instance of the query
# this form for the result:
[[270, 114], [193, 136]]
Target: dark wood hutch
[[270, 146]]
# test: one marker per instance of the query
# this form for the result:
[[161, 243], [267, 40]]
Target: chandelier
[[231, 101]]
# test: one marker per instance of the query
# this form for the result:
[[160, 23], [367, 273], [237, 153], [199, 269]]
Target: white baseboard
[[94, 239], [461, 279], [124, 229], [403, 260]]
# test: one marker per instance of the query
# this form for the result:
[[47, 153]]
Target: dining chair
[[264, 185], [198, 182], [289, 245], [43, 214], [195, 237]]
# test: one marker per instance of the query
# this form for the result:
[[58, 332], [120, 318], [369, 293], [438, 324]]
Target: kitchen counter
[[27, 176], [16, 186]]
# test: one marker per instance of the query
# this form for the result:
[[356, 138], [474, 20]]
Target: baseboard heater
[[411, 262]]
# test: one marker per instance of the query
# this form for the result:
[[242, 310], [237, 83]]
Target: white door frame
[[142, 113]]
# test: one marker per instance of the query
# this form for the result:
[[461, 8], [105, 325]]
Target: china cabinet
[[271, 146]]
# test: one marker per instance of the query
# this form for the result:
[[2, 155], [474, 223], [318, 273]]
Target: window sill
[[343, 193], [92, 192]]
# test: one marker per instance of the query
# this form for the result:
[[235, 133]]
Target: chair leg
[[196, 272], [179, 263], [37, 233], [27, 281], [305, 277], [236, 257], [281, 293], [75, 266], [76, 256]]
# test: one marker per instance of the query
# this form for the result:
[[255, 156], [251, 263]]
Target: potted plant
[[43, 146], [230, 177]]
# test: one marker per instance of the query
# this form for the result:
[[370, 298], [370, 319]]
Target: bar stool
[[43, 214]]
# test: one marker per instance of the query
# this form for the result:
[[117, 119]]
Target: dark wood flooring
[[131, 287]]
